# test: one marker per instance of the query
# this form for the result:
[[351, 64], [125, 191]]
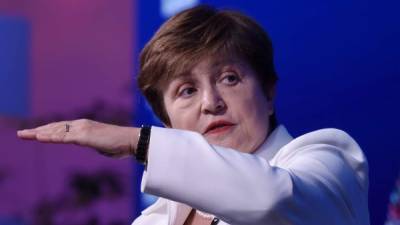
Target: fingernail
[[21, 131]]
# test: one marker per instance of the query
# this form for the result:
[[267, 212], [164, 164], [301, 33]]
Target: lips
[[218, 127]]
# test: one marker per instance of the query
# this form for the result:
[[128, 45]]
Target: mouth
[[218, 127]]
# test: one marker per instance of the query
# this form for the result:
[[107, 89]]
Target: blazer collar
[[275, 141]]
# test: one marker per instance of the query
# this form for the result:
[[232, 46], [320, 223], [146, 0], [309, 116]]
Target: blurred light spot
[[169, 8]]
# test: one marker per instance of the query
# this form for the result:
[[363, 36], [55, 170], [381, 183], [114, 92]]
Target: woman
[[209, 76]]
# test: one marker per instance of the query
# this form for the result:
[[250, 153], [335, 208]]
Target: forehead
[[209, 65]]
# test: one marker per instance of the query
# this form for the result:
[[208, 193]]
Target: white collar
[[275, 141]]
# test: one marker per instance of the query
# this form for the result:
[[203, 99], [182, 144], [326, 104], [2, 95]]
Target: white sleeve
[[242, 188]]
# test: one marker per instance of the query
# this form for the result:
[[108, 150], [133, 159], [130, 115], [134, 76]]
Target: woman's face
[[223, 100]]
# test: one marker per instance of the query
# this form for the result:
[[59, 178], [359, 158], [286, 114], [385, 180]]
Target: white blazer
[[320, 178]]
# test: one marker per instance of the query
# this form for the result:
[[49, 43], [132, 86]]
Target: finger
[[31, 133], [59, 135], [52, 127], [43, 137], [28, 134], [54, 133], [68, 132], [46, 126]]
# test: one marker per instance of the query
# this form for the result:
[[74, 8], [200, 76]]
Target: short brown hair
[[195, 33]]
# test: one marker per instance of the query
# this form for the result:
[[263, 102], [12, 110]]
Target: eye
[[230, 79], [186, 91]]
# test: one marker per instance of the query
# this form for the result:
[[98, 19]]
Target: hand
[[110, 140]]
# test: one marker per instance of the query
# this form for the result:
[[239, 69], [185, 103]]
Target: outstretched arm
[[319, 178], [110, 140]]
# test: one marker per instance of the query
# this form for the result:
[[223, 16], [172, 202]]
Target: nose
[[213, 102]]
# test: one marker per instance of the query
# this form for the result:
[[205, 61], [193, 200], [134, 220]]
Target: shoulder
[[329, 136], [329, 147], [321, 139]]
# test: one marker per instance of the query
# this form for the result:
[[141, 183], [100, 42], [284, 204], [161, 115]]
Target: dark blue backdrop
[[14, 54], [338, 63]]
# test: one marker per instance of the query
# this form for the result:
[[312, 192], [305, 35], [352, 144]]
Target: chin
[[246, 147]]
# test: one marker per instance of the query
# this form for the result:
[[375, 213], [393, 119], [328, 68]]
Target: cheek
[[181, 117], [254, 110]]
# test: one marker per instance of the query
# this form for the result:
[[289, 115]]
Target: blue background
[[338, 63], [14, 50]]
